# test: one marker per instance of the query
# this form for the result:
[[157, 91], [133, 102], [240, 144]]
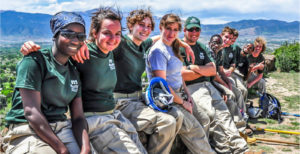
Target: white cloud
[[240, 6], [206, 21]]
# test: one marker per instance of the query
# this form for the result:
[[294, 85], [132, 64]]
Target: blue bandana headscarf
[[62, 19]]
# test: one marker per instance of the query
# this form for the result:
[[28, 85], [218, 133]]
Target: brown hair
[[136, 16], [170, 19], [99, 15], [235, 32], [227, 29], [261, 40]]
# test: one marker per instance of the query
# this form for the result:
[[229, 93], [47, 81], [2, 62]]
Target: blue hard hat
[[158, 95]]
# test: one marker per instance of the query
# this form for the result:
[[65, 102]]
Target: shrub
[[287, 57]]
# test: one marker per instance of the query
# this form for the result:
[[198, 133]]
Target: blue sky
[[209, 11]]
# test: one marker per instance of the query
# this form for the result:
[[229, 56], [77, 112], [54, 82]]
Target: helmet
[[254, 112], [158, 95]]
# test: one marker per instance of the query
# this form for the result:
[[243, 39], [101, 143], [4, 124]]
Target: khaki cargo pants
[[240, 84], [22, 139], [113, 133], [233, 107], [261, 84], [192, 134], [161, 127], [223, 133]]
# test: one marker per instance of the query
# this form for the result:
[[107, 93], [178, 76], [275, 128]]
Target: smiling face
[[233, 39], [169, 33], [247, 49], [192, 35], [257, 49], [141, 30], [109, 35], [215, 44], [70, 46], [226, 37]]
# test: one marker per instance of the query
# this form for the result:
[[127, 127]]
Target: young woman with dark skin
[[109, 130], [37, 121]]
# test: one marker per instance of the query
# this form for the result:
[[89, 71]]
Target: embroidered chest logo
[[74, 85], [230, 55], [201, 55], [111, 64], [241, 64]]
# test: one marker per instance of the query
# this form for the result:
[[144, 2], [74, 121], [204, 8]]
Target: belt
[[136, 94], [98, 113]]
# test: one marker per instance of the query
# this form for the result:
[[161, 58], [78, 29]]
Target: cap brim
[[192, 25]]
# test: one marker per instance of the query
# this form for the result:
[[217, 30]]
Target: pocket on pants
[[101, 138]]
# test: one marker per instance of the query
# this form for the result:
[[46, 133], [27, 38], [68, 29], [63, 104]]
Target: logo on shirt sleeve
[[111, 64], [74, 85]]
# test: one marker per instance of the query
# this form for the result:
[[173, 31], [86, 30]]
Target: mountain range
[[20, 26]]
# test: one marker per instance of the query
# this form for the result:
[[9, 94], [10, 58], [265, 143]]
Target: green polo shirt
[[130, 64], [256, 61], [201, 58], [98, 76], [58, 85], [217, 58], [237, 53], [228, 57]]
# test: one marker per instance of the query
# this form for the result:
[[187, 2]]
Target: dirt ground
[[284, 86]]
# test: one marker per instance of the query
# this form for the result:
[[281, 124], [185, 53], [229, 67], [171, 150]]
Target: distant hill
[[19, 26]]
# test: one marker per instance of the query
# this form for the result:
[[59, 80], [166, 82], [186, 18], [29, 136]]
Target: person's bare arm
[[189, 75], [82, 54], [32, 111], [79, 125], [258, 77], [206, 70], [224, 77], [188, 50], [259, 66]]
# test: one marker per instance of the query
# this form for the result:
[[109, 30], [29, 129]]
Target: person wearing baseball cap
[[47, 85], [209, 107]]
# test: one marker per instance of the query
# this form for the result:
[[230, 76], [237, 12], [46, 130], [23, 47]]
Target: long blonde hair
[[170, 19]]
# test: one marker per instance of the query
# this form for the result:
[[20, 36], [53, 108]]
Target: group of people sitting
[[98, 81]]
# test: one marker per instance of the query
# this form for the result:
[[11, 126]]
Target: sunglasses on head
[[72, 35], [194, 29]]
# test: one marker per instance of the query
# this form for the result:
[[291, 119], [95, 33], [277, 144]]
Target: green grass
[[262, 147], [270, 121], [283, 127], [269, 134], [286, 150], [292, 119], [285, 135], [295, 123], [293, 101], [297, 138]]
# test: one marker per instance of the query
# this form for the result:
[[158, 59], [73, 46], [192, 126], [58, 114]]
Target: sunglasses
[[194, 29], [72, 35]]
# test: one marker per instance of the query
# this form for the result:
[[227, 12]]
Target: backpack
[[270, 106]]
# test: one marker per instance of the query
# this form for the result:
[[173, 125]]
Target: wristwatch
[[188, 67]]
